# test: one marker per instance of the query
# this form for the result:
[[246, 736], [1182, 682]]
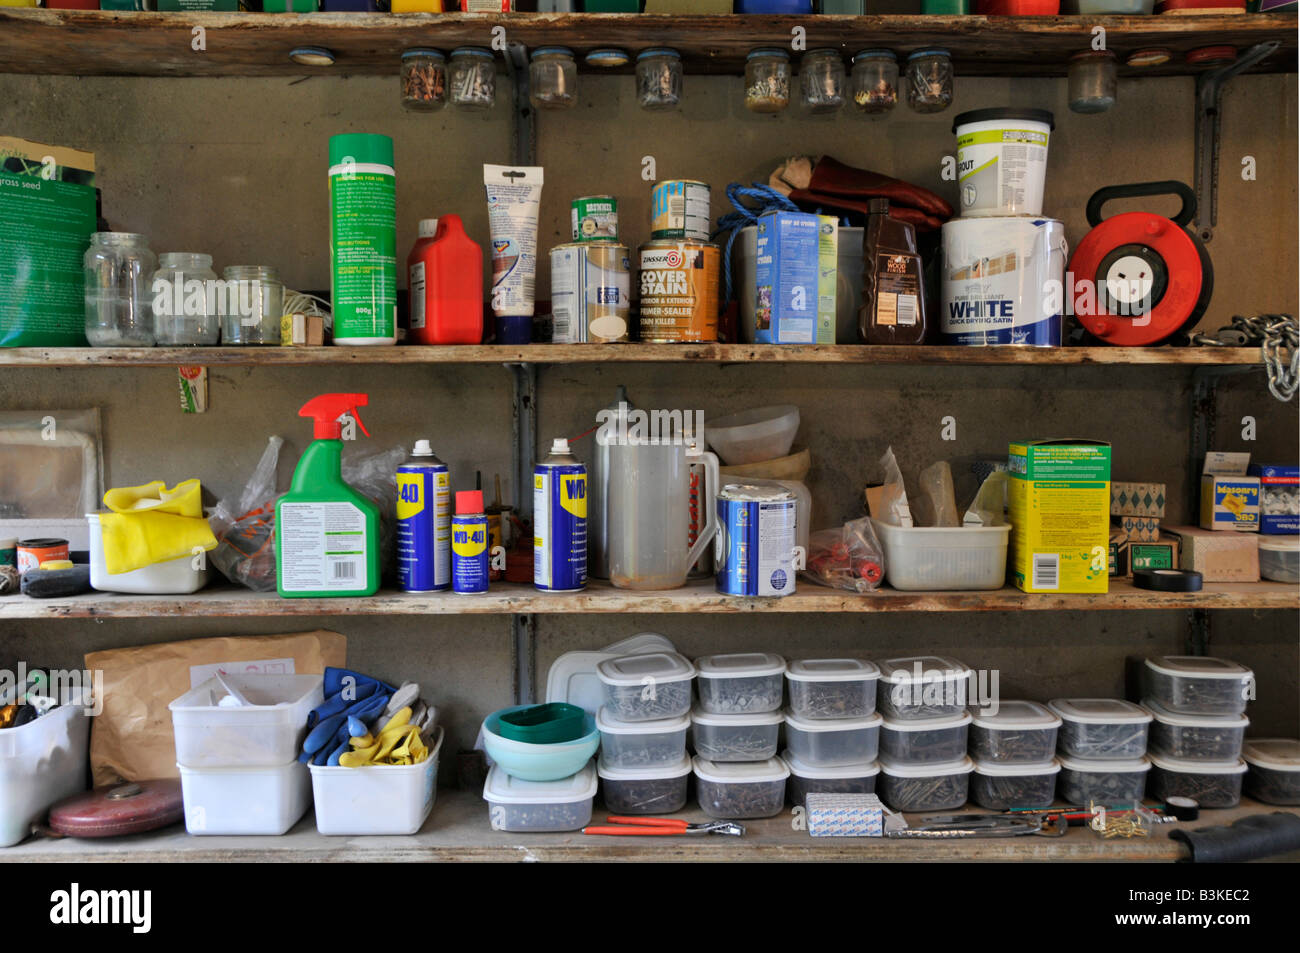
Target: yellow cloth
[[153, 524]]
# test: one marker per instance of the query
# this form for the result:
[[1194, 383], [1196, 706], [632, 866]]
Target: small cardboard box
[[1142, 529], [787, 277], [828, 265], [1218, 557], [1137, 499], [1116, 556], [1229, 498], [1279, 498], [1162, 554]]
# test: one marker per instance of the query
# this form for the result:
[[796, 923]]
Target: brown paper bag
[[131, 739]]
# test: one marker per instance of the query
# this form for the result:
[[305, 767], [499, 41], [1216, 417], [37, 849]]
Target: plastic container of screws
[[741, 683], [540, 806], [424, 80], [752, 737], [929, 81], [927, 787], [924, 686], [828, 743], [1000, 786], [1208, 783], [740, 790], [832, 688], [767, 80], [1274, 770], [1085, 782], [875, 81], [1019, 732], [808, 779], [658, 78], [647, 687], [472, 78], [1105, 729], [931, 741], [1195, 737], [1197, 684], [641, 744], [659, 790]]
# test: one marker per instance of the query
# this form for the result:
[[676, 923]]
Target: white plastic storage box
[[1002, 786], [1279, 558], [828, 743], [1195, 737], [808, 779], [1019, 732], [932, 558], [736, 737], [657, 790], [642, 744], [540, 806], [740, 684], [376, 798], [925, 787], [647, 687], [174, 577], [1085, 782], [262, 800], [740, 790], [1101, 729], [267, 733], [924, 686], [41, 763], [832, 688], [933, 741], [1197, 684], [1209, 784], [1274, 770]]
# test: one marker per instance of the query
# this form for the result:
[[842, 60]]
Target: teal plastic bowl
[[533, 762]]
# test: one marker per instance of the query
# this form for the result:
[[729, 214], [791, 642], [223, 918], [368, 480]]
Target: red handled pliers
[[662, 827]]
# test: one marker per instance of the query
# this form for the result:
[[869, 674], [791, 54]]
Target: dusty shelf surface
[[600, 597]]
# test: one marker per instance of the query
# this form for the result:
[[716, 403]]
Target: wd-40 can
[[470, 555], [560, 521], [755, 543], [423, 522]]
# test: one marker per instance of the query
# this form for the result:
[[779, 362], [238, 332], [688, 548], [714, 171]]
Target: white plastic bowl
[[753, 436]]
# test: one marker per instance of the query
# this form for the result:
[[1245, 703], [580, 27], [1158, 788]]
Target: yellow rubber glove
[[153, 524]]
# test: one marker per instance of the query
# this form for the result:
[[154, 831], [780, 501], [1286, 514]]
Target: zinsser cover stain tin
[[679, 291], [590, 292], [679, 208]]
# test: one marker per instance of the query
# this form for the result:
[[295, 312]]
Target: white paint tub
[[1002, 160]]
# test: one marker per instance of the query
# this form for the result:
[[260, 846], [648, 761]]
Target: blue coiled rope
[[768, 200]]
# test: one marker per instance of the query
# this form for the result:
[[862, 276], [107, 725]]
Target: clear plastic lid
[[1198, 666], [992, 769], [739, 665], [1166, 717], [740, 772], [832, 724], [929, 724], [700, 717], [1274, 754], [896, 770], [1016, 716], [832, 670], [635, 669], [866, 769], [661, 772], [933, 668], [1183, 766], [1280, 544], [1105, 767], [1100, 711], [502, 788], [662, 726]]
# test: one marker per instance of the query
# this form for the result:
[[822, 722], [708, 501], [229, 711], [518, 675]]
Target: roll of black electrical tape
[[1167, 580], [1183, 808]]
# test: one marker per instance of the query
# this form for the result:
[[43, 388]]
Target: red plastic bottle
[[446, 283]]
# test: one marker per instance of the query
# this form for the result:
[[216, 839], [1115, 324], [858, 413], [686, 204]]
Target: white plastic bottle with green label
[[363, 239]]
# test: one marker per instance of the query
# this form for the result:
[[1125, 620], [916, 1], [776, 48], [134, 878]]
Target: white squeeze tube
[[514, 197]]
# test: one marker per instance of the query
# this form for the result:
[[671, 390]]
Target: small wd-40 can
[[470, 554], [560, 521], [754, 549], [423, 522]]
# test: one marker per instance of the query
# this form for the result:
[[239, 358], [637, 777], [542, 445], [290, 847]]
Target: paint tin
[[560, 521], [679, 208], [33, 552], [595, 218], [591, 292], [679, 291], [8, 566], [423, 522], [754, 549], [1002, 281]]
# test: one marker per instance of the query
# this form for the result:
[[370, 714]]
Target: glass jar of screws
[[553, 78], [424, 80], [1093, 78], [875, 81], [472, 78], [767, 81], [658, 78], [821, 81], [929, 81]]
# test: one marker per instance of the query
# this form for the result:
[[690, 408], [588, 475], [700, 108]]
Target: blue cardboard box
[[1279, 498], [787, 277]]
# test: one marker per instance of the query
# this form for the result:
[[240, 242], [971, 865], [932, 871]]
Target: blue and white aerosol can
[[560, 521], [423, 522], [470, 550]]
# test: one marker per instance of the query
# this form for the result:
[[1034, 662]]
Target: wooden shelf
[[84, 43], [599, 598]]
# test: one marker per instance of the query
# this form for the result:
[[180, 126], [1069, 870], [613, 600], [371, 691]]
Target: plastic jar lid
[[874, 720], [866, 769], [1280, 544], [735, 721], [832, 670], [658, 51], [1274, 754], [1003, 114], [1166, 717], [1183, 766], [740, 665], [1016, 716], [1088, 766], [874, 54], [929, 724], [420, 51], [552, 51], [934, 668], [740, 772], [929, 52], [678, 769], [661, 726], [1100, 711], [1197, 666], [991, 769], [502, 788], [472, 51], [767, 51], [635, 669], [823, 51], [897, 770]]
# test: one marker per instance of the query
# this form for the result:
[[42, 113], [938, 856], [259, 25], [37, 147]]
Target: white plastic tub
[[1209, 784], [753, 435], [1197, 684], [377, 798], [1279, 558], [174, 577], [828, 743], [658, 790], [1195, 737], [1002, 161], [267, 733], [932, 741], [1001, 786], [829, 688], [1101, 729], [1083, 782], [1020, 732], [41, 763], [264, 800], [737, 791], [1274, 766], [642, 744], [931, 558], [738, 684], [736, 737], [540, 806], [920, 687], [925, 787], [808, 779], [647, 687]]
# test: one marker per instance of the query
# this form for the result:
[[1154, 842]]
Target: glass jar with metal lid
[[472, 78], [821, 80], [184, 300], [251, 305], [767, 80], [875, 81], [658, 78], [1093, 78], [553, 78], [424, 80], [929, 81], [118, 295]]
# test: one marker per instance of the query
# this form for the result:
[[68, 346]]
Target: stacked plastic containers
[[735, 730], [1102, 743], [923, 762], [239, 765], [1198, 706], [832, 728], [1014, 748]]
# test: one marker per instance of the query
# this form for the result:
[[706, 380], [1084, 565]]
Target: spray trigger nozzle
[[328, 408]]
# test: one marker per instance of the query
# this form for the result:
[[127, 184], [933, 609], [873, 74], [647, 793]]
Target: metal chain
[[1277, 335]]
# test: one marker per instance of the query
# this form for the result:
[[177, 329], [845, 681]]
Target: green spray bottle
[[326, 533]]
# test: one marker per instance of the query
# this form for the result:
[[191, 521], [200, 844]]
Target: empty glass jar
[[119, 271], [929, 81], [184, 303], [1093, 77], [251, 305], [821, 80], [424, 80], [658, 79], [875, 81], [472, 78], [553, 78], [767, 81]]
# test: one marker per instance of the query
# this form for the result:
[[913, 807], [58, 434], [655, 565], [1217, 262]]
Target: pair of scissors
[[619, 826]]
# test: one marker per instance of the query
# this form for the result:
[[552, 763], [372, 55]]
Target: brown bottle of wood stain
[[893, 293]]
